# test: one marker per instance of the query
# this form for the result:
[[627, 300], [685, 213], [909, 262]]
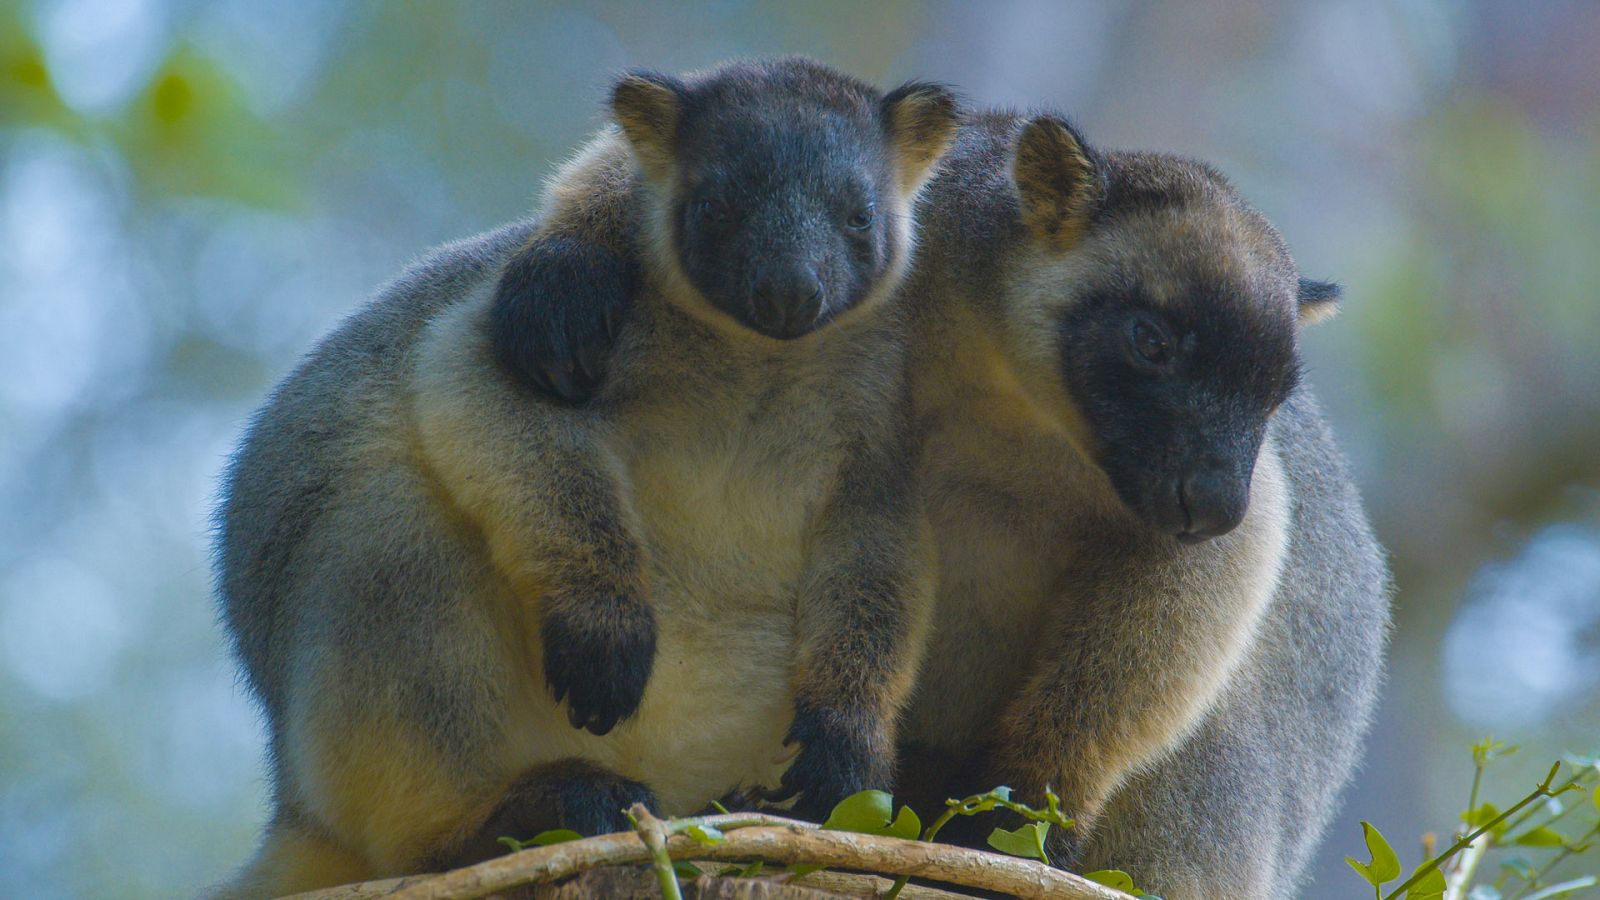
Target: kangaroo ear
[[1057, 180], [922, 119], [1319, 300], [646, 105]]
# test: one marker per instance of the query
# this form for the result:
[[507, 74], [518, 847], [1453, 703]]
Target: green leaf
[[1481, 816], [1027, 841], [751, 870], [1385, 866], [1430, 886], [685, 870], [1565, 888], [1596, 798], [868, 812], [905, 825], [706, 834], [1112, 878], [1543, 836], [542, 839], [865, 812], [807, 869]]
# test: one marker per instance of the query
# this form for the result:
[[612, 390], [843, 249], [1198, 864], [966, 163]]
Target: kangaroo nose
[[787, 303], [1214, 503]]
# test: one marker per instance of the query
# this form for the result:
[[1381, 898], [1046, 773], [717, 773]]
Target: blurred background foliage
[[191, 192]]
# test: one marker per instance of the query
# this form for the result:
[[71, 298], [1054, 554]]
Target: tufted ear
[[1057, 180], [1319, 300], [646, 105], [922, 119]]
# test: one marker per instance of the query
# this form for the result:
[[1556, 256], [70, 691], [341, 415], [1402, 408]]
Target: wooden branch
[[636, 883], [777, 840]]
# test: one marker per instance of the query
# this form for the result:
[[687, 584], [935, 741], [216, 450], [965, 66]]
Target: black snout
[[786, 303], [1214, 503]]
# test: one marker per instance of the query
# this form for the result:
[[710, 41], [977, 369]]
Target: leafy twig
[[979, 803], [1543, 790]]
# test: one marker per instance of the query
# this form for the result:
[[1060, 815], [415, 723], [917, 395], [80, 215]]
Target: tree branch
[[775, 839]]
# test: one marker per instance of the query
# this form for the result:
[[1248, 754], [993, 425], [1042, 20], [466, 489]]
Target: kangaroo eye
[[1149, 344], [863, 217]]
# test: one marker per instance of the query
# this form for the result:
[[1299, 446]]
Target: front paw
[[558, 310], [840, 754], [599, 661]]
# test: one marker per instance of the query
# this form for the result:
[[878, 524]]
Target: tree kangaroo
[[1158, 592], [422, 561]]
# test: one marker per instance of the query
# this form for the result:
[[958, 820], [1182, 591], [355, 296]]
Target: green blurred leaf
[[190, 132], [1541, 837], [1483, 815], [1027, 841], [1480, 816], [685, 870]]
